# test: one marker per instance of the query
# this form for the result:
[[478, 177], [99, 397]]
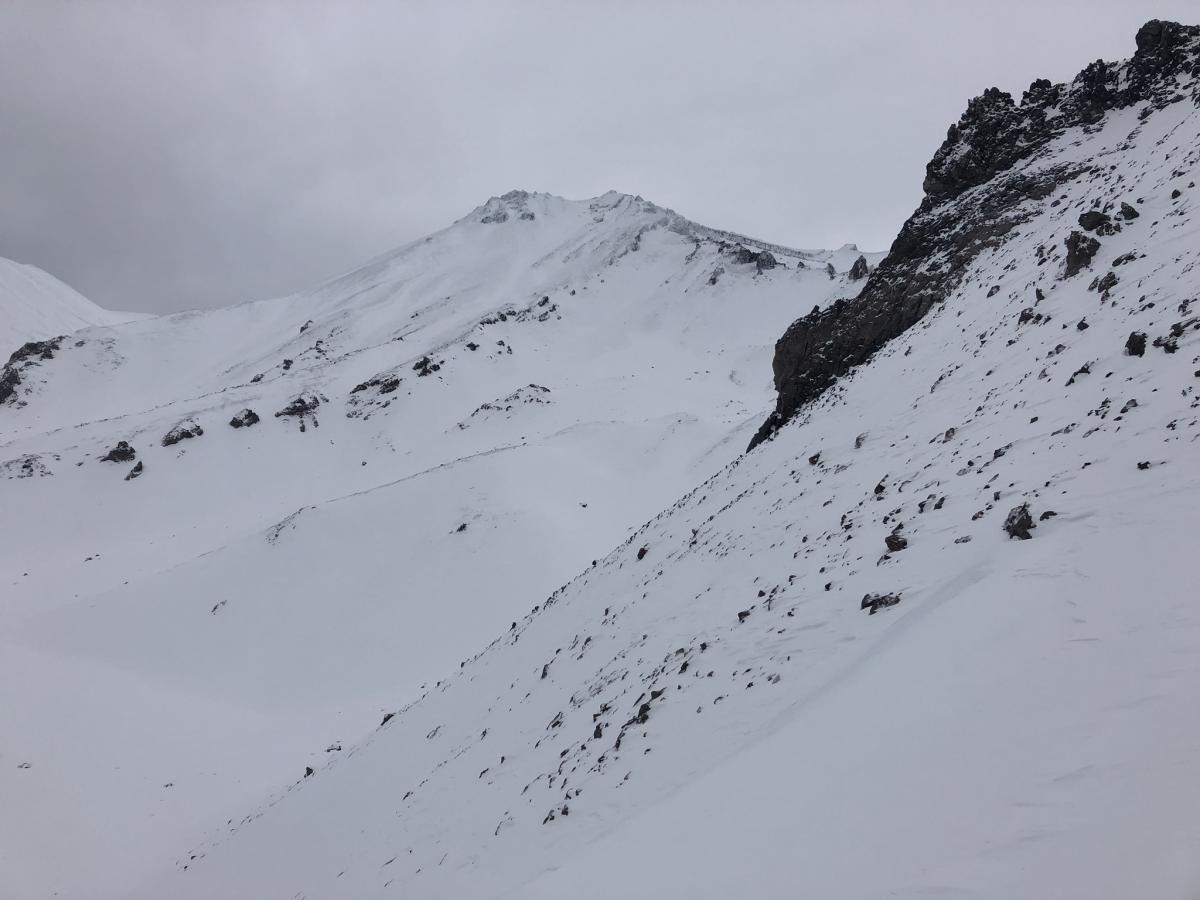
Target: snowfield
[[496, 405]]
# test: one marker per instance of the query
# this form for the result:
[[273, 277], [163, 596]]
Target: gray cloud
[[165, 155]]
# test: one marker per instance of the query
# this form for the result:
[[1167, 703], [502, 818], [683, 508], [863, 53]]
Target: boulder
[[876, 602], [123, 452], [183, 431], [1080, 250], [244, 419], [301, 406], [1018, 522], [425, 366], [1135, 344]]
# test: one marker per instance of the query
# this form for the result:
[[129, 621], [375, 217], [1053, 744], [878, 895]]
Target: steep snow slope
[[442, 434], [35, 305], [829, 670]]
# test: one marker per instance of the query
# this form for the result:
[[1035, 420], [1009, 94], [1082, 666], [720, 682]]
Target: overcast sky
[[165, 155]]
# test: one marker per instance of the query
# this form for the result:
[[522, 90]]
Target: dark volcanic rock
[[859, 270], [995, 132], [425, 366], [1080, 250], [925, 263], [31, 465], [244, 419], [876, 602], [301, 407], [895, 542], [123, 452], [1018, 522], [137, 470], [762, 259], [34, 350], [743, 255], [1135, 345], [29, 354], [1093, 219], [182, 432], [388, 384], [1128, 212]]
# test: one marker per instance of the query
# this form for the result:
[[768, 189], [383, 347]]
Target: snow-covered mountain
[[449, 578], [935, 635], [246, 534], [35, 305]]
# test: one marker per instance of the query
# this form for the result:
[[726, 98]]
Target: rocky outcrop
[[859, 270], [301, 406], [924, 265], [1093, 219], [762, 259], [1018, 522], [1080, 250], [424, 367], [876, 602], [955, 223], [29, 354], [31, 465], [303, 409], [995, 132], [185, 430], [123, 452], [244, 419]]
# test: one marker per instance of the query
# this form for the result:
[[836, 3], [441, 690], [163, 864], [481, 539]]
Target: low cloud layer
[[166, 155]]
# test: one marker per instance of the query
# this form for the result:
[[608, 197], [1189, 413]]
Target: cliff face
[[976, 192]]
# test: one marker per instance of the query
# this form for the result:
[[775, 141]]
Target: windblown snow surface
[[438, 440], [35, 305], [711, 710]]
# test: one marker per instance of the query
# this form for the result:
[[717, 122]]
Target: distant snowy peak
[[35, 305], [616, 210], [526, 206]]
